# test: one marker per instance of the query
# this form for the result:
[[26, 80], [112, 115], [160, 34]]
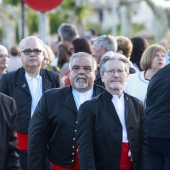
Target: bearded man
[[53, 125]]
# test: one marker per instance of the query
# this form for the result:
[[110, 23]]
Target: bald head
[[24, 41]]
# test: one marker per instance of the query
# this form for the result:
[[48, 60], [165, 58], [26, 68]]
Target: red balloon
[[43, 5]]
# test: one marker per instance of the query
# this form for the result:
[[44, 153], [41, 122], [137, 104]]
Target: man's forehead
[[117, 63], [3, 50], [31, 42], [82, 61]]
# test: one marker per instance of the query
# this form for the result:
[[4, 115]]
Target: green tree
[[13, 2], [68, 11], [32, 21]]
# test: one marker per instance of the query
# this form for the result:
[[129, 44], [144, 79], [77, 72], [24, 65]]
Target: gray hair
[[21, 44], [115, 56], [68, 32], [82, 55], [107, 41]]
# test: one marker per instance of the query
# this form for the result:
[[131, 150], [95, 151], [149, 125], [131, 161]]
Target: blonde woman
[[152, 60]]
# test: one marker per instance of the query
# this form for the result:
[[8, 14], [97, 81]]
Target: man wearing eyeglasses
[[3, 60], [111, 131], [53, 126], [26, 85]]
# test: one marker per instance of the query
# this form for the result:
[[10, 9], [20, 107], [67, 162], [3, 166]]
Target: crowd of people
[[91, 103]]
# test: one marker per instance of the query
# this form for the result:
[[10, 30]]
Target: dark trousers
[[23, 159], [159, 153]]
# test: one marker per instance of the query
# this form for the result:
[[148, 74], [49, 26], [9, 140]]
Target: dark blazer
[[99, 134], [14, 84], [9, 158], [158, 105], [53, 125], [98, 80]]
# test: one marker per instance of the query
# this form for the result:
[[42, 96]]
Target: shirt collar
[[116, 97], [30, 78]]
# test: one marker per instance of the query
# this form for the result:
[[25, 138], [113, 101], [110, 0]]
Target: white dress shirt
[[81, 97], [119, 104], [35, 86]]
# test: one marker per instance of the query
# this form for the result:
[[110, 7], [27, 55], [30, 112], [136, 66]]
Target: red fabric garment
[[65, 78], [22, 141], [125, 163], [76, 165]]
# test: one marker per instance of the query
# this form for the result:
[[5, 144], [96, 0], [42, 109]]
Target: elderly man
[[3, 60], [101, 45], [53, 126], [111, 131], [67, 33], [26, 85], [9, 158]]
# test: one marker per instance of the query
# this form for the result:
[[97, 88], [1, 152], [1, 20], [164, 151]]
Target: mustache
[[81, 77]]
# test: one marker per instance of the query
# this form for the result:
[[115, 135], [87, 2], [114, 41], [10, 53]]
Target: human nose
[[115, 73], [81, 71]]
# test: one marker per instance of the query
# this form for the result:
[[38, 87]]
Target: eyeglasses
[[4, 56], [29, 51], [113, 71]]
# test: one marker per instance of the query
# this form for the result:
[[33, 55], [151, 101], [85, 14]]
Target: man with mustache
[[26, 85], [111, 132], [53, 126]]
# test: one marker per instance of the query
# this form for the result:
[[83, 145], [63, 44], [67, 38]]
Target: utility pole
[[22, 19], [114, 16], [42, 26]]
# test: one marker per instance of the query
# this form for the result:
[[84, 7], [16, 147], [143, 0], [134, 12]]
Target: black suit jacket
[[99, 134], [158, 105], [98, 80], [53, 125], [9, 158], [14, 84]]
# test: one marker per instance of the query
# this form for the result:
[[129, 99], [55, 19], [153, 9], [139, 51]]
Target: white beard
[[81, 84]]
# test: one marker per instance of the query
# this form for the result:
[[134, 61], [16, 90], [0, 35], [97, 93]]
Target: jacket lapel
[[21, 80], [69, 102], [128, 109], [46, 84], [110, 106]]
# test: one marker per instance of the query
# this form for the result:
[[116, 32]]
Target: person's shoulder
[[57, 91], [12, 74], [49, 72], [133, 99], [94, 101], [135, 75], [5, 99], [50, 75], [98, 88]]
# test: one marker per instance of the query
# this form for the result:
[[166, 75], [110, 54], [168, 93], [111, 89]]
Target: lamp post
[[114, 15], [125, 16], [22, 19]]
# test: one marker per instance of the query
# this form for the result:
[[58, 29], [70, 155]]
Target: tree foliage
[[32, 21], [13, 2], [69, 12]]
